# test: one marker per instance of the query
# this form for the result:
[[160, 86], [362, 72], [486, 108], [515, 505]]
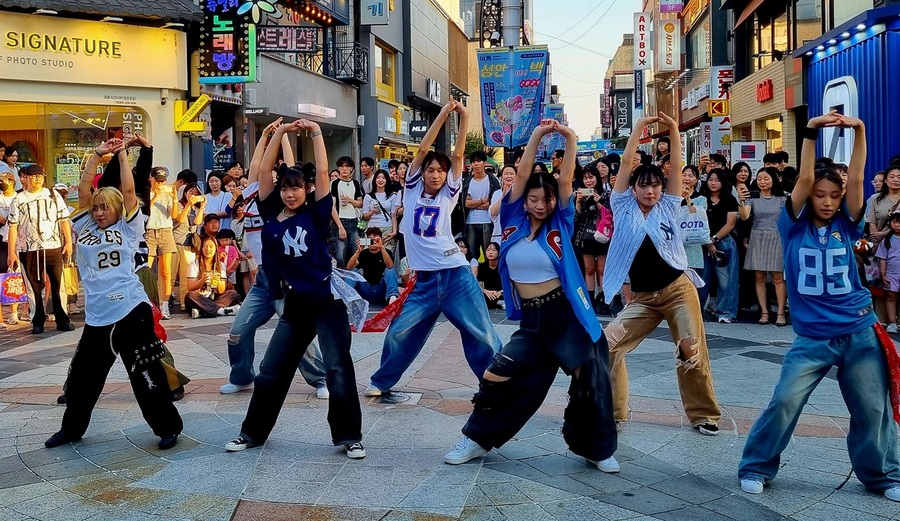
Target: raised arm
[[806, 177], [623, 179], [256, 160], [856, 170], [127, 185], [430, 136], [523, 171], [458, 160], [323, 180], [287, 151], [266, 184], [90, 170], [673, 181], [567, 168]]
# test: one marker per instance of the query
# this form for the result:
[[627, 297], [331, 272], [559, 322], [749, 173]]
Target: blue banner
[[554, 140], [512, 93]]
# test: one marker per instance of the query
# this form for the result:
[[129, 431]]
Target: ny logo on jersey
[[666, 229], [294, 245]]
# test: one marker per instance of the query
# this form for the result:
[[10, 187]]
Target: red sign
[[765, 91]]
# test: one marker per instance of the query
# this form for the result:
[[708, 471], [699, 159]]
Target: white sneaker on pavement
[[892, 493], [355, 450], [232, 310], [195, 313], [465, 450], [392, 299], [892, 328], [755, 486], [164, 310], [372, 391], [238, 444], [231, 388], [322, 393], [609, 465]]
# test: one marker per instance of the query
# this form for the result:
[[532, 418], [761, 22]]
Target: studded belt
[[537, 302]]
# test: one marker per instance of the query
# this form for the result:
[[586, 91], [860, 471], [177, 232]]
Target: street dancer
[[834, 320], [297, 265], [558, 327], [445, 282], [647, 246], [118, 315], [258, 307]]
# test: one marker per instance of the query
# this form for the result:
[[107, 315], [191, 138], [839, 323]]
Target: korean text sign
[[227, 44], [512, 93]]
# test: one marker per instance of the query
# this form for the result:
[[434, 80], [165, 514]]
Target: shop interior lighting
[[809, 53], [45, 11], [861, 27], [820, 48], [112, 19], [832, 41], [845, 34]]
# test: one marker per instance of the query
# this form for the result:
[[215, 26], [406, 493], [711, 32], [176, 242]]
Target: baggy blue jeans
[[378, 293], [728, 278], [456, 293], [255, 311], [862, 376]]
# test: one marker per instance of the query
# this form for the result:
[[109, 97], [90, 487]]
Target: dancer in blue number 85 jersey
[[834, 321], [445, 282]]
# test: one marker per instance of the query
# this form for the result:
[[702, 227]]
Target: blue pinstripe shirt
[[630, 227]]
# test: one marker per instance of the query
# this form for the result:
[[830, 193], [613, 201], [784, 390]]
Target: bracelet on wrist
[[316, 133], [810, 133]]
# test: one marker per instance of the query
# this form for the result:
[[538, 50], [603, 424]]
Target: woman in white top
[[507, 176], [217, 199], [647, 246], [558, 327], [380, 207], [206, 278], [118, 315]]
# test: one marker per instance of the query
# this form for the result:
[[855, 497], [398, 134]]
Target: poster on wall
[[512, 93], [552, 141], [750, 152]]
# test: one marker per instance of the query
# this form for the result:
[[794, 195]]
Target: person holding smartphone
[[374, 260]]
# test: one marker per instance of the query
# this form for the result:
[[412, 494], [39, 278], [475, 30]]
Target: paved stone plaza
[[669, 471]]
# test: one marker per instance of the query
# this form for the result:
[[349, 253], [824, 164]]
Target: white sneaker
[[892, 493], [392, 299], [372, 391], [755, 486], [892, 328], [465, 450], [501, 304], [195, 313], [355, 450], [232, 310], [322, 393], [609, 465], [238, 444], [231, 388], [164, 310], [725, 320]]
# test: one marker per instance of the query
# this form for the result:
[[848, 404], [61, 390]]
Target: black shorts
[[593, 248]]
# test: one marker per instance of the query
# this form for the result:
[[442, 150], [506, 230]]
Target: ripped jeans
[[256, 310], [679, 305], [549, 337]]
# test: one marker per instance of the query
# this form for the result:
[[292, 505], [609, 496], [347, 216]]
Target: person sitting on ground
[[376, 265], [207, 294], [489, 277]]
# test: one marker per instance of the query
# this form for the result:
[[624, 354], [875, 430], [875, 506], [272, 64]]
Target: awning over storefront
[[171, 10]]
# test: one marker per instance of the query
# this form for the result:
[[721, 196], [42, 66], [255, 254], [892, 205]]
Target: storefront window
[[846, 9], [698, 45], [385, 72], [807, 21], [773, 134], [62, 138]]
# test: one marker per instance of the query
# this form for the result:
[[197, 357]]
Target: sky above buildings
[[582, 35]]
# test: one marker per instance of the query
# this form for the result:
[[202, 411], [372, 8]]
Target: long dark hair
[[388, 185], [296, 176], [777, 189], [885, 190], [722, 175], [550, 186], [736, 169], [647, 174], [217, 175]]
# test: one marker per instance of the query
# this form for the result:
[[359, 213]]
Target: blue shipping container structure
[[855, 68]]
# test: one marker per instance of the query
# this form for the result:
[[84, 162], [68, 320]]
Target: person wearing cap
[[160, 239], [40, 230]]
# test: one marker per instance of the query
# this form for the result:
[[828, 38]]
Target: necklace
[[287, 215]]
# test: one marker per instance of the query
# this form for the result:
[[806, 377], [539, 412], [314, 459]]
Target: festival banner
[[512, 93], [554, 140]]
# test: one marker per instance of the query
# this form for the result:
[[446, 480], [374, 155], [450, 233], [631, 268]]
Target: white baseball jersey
[[426, 225], [106, 265]]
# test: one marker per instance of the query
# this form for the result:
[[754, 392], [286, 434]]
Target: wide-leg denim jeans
[[728, 278], [456, 293], [863, 379]]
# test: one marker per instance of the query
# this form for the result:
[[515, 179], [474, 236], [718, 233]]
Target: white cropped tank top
[[528, 263]]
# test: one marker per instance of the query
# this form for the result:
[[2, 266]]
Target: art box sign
[[49, 49], [641, 41], [512, 93], [668, 45]]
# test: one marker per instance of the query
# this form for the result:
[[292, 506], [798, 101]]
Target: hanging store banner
[[227, 44], [638, 90], [287, 38], [641, 41], [554, 140], [720, 80], [513, 80], [670, 6], [668, 45]]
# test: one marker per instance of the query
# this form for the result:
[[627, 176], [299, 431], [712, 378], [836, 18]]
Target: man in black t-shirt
[[376, 265]]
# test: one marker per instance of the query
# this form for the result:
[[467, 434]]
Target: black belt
[[543, 299]]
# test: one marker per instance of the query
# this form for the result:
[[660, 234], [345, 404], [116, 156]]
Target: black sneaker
[[392, 397], [68, 326], [60, 438], [178, 394], [167, 442], [37, 330], [708, 429], [238, 444], [62, 399]]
